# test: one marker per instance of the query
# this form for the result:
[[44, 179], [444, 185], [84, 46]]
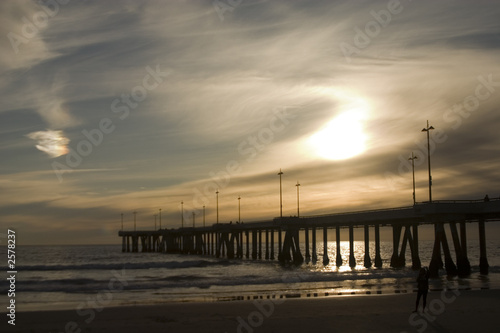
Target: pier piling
[[451, 268], [272, 244], [306, 236], [483, 260], [402, 254], [254, 244], [396, 235], [463, 265], [367, 260], [247, 241], [260, 244], [352, 259], [314, 255], [415, 257], [326, 260], [279, 243], [338, 260], [378, 258], [267, 244]]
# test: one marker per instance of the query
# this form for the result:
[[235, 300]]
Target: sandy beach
[[450, 311]]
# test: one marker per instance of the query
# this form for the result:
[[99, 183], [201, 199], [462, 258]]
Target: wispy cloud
[[21, 45]]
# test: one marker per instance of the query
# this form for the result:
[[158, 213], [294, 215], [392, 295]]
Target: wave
[[129, 266], [286, 279]]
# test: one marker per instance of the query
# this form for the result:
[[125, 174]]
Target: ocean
[[97, 276]]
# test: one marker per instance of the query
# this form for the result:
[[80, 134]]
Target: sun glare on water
[[341, 138]]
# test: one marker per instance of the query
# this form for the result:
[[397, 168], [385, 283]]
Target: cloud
[[54, 143], [21, 45], [228, 80]]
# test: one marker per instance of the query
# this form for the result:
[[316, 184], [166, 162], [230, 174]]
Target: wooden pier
[[245, 240]]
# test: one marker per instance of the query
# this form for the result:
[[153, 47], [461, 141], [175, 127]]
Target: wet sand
[[451, 311]]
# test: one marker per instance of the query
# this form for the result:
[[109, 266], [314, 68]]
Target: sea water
[[76, 277]]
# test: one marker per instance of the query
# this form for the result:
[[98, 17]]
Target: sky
[[115, 107]]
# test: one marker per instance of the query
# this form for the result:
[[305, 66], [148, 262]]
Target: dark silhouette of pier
[[245, 240]]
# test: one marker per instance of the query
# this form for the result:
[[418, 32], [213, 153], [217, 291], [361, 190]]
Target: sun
[[341, 138]]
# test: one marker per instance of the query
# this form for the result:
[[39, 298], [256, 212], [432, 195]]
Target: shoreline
[[249, 296], [452, 310]]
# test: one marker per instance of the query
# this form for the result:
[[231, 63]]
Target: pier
[[245, 240]]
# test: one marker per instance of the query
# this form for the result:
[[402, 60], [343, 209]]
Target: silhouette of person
[[486, 198], [423, 287]]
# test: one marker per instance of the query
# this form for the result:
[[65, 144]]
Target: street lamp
[[413, 158], [182, 214], [193, 219], [203, 215], [217, 204], [135, 214], [239, 209], [155, 221], [122, 221], [429, 128], [298, 185], [160, 218], [281, 195]]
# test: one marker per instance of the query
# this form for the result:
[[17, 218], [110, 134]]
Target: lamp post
[[203, 215], [182, 214], [135, 214], [160, 218], [427, 129], [281, 195], [155, 221], [217, 204], [298, 185], [193, 219], [413, 158], [122, 221], [239, 209]]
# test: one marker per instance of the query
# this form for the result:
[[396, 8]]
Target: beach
[[82, 289], [447, 311]]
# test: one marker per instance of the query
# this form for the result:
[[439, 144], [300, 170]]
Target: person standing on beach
[[423, 287]]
